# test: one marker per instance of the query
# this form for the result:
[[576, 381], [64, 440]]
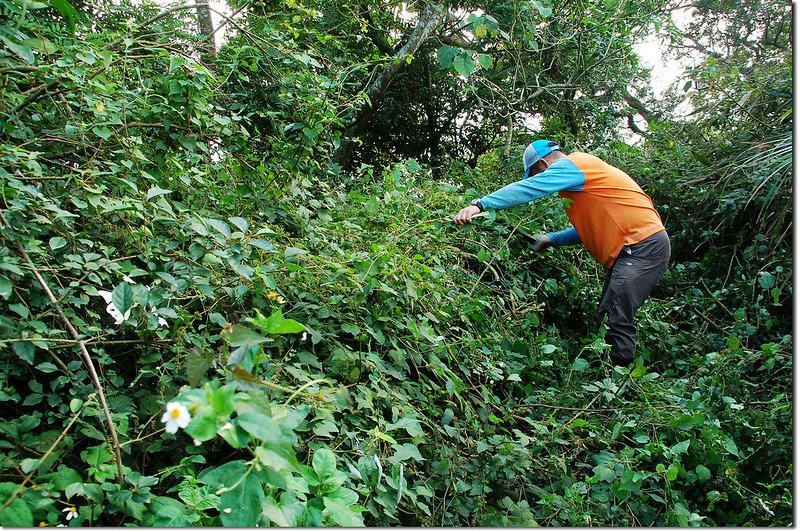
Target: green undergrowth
[[203, 324], [350, 357]]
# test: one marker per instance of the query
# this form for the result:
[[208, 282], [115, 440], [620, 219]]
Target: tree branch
[[640, 108], [87, 358], [429, 18]]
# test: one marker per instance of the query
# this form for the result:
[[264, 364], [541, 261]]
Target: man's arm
[[541, 242], [567, 237], [561, 175]]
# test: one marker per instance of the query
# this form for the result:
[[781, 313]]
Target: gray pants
[[630, 280]]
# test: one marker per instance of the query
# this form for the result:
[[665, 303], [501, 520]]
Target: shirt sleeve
[[567, 237], [561, 175]]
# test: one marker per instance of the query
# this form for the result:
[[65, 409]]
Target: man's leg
[[632, 277]]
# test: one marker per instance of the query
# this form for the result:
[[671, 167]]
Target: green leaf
[[703, 473], [47, 367], [409, 424], [244, 336], [730, 446], [122, 297], [67, 11], [24, 351], [6, 287], [87, 55], [464, 65], [680, 448], [325, 428], [256, 423], [286, 512], [102, 132], [197, 365], [630, 481], [57, 242], [672, 472], [277, 324], [324, 463], [445, 56], [221, 227], [277, 457], [580, 365], [544, 11], [16, 514], [153, 192], [287, 326], [485, 61], [61, 479], [605, 473], [20, 309], [405, 451], [28, 464], [203, 426], [168, 512], [224, 475], [638, 370], [766, 280], [221, 400], [341, 513], [240, 223], [23, 51], [263, 244], [241, 506]]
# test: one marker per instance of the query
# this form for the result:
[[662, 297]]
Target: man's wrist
[[477, 203]]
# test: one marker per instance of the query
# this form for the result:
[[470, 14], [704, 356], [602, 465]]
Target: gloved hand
[[540, 242]]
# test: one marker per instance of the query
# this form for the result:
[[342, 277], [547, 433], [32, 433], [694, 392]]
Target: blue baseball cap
[[535, 151]]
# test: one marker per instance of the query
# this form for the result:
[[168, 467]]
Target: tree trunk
[[206, 30], [430, 17]]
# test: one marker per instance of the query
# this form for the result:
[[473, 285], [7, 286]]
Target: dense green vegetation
[[260, 237]]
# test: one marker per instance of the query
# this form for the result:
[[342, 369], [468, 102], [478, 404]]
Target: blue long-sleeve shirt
[[561, 175], [607, 209], [567, 237]]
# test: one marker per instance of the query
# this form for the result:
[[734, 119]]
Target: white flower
[[112, 310], [176, 417], [227, 510], [72, 512], [380, 467]]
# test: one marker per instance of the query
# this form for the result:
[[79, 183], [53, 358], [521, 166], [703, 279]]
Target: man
[[611, 216]]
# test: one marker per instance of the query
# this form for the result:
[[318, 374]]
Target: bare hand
[[465, 215]]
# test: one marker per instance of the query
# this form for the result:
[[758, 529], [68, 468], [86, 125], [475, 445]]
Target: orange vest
[[610, 211]]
